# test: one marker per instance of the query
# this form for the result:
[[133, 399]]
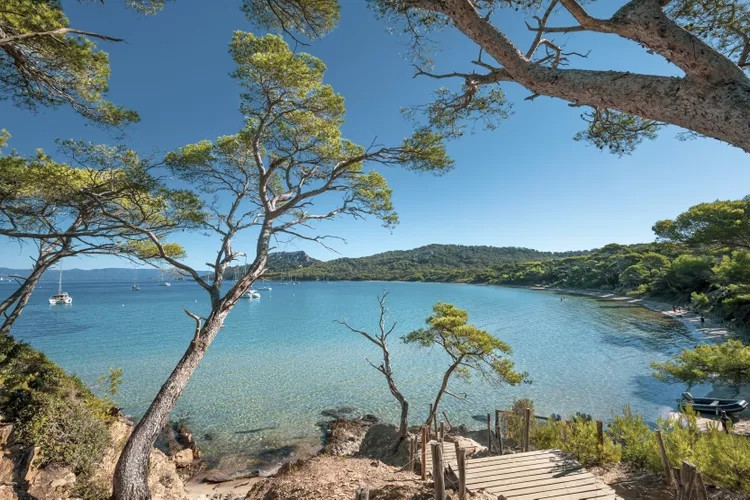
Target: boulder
[[183, 458]]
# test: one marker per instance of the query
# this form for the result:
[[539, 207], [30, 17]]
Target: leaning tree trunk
[[131, 473], [443, 388], [22, 295]]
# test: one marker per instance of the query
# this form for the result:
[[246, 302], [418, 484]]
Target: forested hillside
[[427, 263]]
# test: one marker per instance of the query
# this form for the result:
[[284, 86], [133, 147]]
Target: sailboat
[[135, 286], [162, 282], [60, 298]]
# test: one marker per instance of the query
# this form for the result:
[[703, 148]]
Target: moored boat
[[714, 406], [60, 298]]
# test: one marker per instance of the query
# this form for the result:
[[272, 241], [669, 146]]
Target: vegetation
[[469, 349], [728, 362], [451, 263], [722, 458], [51, 410]]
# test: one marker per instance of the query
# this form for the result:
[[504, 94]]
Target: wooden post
[[438, 473], [700, 487], [441, 432], [461, 459], [424, 452], [413, 453], [600, 437], [450, 425], [664, 460], [678, 483], [362, 494], [489, 433], [429, 418], [527, 423], [498, 432]]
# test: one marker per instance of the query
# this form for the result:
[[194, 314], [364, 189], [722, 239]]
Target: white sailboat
[[60, 298], [135, 286], [161, 280]]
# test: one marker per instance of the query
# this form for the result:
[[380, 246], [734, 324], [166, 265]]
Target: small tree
[[288, 168], [381, 340], [469, 349], [63, 211], [728, 362]]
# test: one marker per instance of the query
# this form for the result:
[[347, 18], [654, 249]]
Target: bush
[[50, 409], [636, 439], [578, 437], [723, 459], [516, 420]]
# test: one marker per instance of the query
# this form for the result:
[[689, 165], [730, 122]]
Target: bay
[[281, 360]]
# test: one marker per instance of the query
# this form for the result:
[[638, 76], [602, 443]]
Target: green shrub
[[636, 439], [50, 409], [578, 437], [515, 421], [723, 459]]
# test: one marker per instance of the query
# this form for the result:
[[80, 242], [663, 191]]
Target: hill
[[428, 263]]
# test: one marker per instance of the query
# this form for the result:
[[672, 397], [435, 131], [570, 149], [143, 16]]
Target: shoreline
[[711, 328]]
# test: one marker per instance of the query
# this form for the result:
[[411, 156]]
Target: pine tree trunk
[[131, 472], [22, 295]]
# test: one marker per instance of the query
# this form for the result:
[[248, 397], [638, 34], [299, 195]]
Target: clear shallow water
[[281, 360]]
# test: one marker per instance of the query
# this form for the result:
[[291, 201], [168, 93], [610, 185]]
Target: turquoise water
[[281, 360]]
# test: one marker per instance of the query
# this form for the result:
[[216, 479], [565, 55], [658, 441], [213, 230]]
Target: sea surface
[[283, 359]]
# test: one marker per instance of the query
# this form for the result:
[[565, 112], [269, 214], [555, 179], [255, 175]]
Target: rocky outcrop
[[24, 477]]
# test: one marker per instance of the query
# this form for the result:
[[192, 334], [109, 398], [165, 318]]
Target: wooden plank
[[516, 456], [497, 484], [593, 490], [546, 484], [552, 467], [517, 463], [505, 481], [478, 463]]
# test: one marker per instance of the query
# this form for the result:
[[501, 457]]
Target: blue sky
[[527, 183]]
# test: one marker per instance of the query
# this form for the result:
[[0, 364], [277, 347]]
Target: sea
[[283, 363]]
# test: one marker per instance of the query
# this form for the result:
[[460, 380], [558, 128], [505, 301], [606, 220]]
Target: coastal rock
[[183, 458], [344, 436], [380, 442]]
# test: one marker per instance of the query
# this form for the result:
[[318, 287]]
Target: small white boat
[[250, 294], [161, 279], [267, 288], [60, 298], [135, 286]]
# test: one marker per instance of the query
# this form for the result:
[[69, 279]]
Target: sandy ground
[[238, 488]]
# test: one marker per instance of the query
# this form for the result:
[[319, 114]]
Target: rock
[[380, 443], [183, 458], [51, 482], [473, 448], [343, 436], [218, 476]]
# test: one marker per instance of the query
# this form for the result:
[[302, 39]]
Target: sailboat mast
[[59, 281]]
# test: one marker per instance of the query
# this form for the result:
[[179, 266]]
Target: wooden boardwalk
[[534, 475]]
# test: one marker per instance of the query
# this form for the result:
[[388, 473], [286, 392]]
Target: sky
[[527, 183]]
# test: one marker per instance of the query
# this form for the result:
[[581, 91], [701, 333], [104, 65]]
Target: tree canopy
[[470, 349], [728, 362], [707, 42], [714, 224]]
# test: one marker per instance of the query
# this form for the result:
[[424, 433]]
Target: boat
[[267, 288], [60, 298], [161, 279], [714, 406], [250, 294], [135, 286]]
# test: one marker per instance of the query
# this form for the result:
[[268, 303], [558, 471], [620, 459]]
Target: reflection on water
[[281, 360]]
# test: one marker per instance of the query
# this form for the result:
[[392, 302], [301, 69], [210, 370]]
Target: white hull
[[61, 300]]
